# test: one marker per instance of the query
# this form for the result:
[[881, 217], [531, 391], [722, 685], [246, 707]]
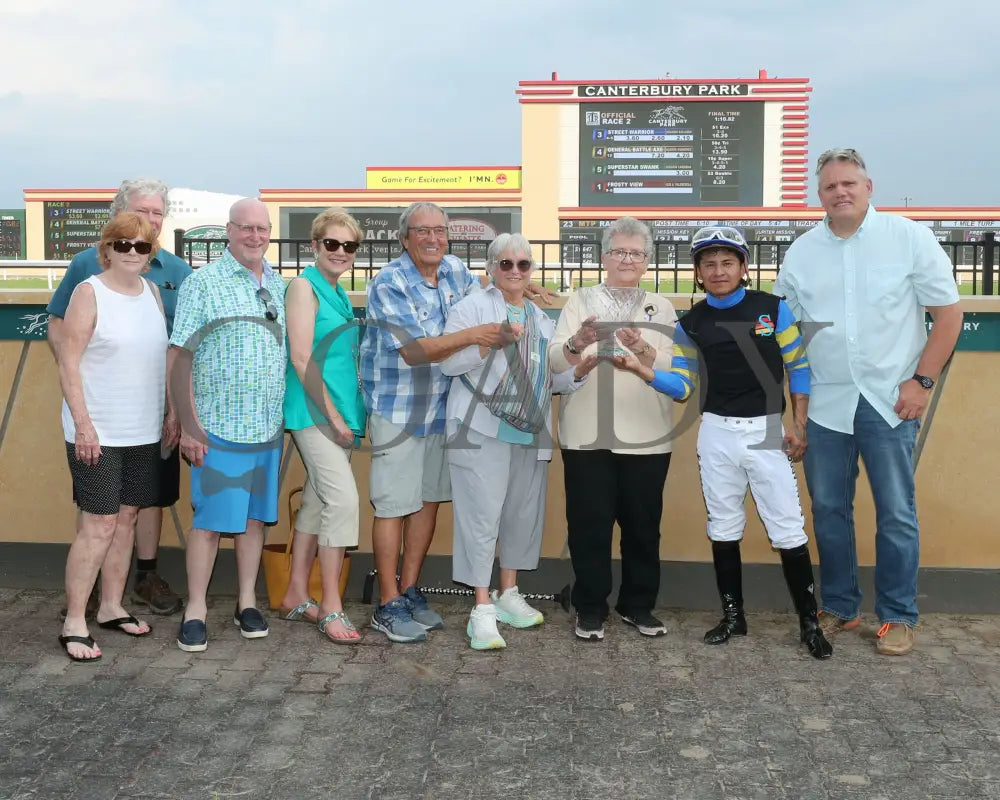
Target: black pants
[[603, 488]]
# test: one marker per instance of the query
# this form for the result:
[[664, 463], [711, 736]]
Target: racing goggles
[[719, 236]]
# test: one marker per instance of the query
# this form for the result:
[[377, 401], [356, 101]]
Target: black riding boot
[[729, 579], [797, 566]]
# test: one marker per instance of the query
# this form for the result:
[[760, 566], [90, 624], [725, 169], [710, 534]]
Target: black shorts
[[170, 479], [122, 476]]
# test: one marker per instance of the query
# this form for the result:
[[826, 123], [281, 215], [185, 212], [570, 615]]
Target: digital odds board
[[673, 153], [72, 226]]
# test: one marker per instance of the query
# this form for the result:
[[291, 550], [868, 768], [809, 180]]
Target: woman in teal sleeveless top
[[325, 413]]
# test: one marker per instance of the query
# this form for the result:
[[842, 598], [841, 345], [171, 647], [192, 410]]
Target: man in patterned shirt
[[406, 394], [227, 382]]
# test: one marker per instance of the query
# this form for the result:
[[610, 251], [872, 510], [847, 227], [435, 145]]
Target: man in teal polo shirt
[[147, 197]]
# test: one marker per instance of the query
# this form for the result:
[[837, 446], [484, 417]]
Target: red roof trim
[[716, 99], [662, 81]]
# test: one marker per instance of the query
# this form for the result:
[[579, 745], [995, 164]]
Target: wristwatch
[[569, 346], [923, 380]]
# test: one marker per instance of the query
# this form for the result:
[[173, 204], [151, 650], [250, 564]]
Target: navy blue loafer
[[251, 623]]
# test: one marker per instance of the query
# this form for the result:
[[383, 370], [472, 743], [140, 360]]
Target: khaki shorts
[[407, 474], [330, 507]]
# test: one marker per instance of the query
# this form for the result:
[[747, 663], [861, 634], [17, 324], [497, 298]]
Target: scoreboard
[[587, 233], [71, 226], [11, 233], [673, 153]]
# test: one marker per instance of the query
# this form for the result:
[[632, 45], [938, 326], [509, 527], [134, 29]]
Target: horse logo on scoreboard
[[668, 116]]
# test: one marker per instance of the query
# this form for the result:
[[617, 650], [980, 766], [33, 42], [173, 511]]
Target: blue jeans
[[831, 464]]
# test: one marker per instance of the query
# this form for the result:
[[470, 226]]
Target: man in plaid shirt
[[406, 395]]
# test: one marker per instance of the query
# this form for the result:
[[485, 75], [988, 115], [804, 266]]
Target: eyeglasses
[[270, 309], [423, 231], [258, 229], [124, 246], [506, 265], [636, 255], [333, 245]]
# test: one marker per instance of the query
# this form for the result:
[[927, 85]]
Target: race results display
[[72, 226], [11, 233], [672, 154]]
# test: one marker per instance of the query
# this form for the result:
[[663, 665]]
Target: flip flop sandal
[[332, 617], [116, 625], [298, 614], [87, 641]]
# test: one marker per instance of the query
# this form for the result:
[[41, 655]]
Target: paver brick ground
[[292, 716]]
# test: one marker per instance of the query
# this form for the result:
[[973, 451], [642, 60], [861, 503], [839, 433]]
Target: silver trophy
[[615, 305]]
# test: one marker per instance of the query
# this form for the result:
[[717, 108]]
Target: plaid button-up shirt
[[403, 306], [238, 368]]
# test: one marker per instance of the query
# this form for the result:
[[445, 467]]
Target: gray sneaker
[[394, 620], [421, 611]]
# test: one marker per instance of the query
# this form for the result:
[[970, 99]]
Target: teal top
[[335, 346], [508, 433]]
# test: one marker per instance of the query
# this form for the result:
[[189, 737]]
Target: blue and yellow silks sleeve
[[678, 382], [793, 351]]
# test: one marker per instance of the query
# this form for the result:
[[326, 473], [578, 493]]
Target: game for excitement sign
[[496, 178]]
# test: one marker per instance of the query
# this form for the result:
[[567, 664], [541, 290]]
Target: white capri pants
[[498, 499], [330, 507], [728, 462]]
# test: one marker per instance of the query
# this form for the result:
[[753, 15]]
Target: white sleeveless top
[[123, 369]]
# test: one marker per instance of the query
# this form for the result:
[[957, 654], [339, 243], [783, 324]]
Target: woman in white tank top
[[112, 369]]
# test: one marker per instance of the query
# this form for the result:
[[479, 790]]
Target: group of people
[[451, 378]]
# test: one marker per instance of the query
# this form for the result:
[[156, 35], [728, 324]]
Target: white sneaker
[[482, 628], [513, 609]]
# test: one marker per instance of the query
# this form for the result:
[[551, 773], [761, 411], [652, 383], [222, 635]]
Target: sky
[[237, 95]]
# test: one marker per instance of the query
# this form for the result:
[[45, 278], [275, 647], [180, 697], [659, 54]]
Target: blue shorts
[[236, 483]]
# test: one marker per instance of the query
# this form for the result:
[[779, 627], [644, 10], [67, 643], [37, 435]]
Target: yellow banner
[[497, 178]]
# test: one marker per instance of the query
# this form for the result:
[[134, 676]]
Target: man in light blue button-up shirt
[[860, 282], [227, 381]]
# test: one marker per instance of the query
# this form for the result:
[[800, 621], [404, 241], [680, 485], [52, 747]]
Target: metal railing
[[567, 265], [561, 265]]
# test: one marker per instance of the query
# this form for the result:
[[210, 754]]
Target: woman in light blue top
[[499, 425], [325, 412]]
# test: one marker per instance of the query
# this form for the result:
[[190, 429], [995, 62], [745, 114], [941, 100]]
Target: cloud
[[234, 95]]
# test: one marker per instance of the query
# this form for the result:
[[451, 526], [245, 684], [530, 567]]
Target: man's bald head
[[249, 231]]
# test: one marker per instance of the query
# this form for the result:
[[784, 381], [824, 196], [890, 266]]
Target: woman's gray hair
[[144, 187], [846, 155], [504, 242], [404, 218], [627, 226]]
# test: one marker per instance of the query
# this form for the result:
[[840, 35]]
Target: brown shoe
[[832, 624], [895, 639], [152, 591]]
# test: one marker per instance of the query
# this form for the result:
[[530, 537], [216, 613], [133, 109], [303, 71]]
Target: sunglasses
[[506, 265], [270, 309], [333, 245], [124, 245]]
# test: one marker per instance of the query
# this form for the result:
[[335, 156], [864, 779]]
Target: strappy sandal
[[298, 614], [333, 616]]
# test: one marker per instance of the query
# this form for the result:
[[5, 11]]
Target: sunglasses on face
[[506, 265], [270, 309], [333, 245], [124, 246]]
